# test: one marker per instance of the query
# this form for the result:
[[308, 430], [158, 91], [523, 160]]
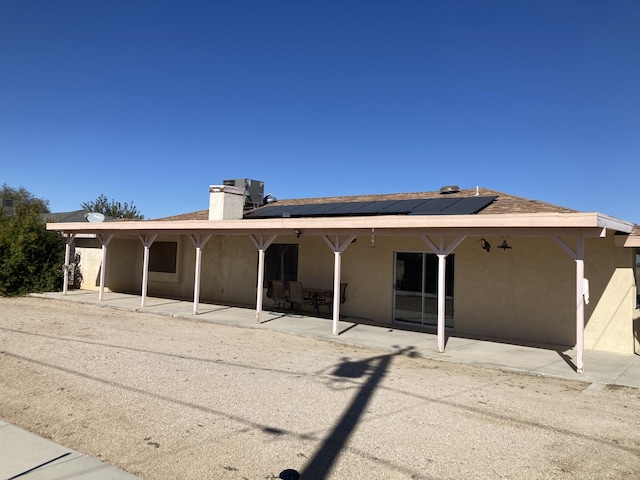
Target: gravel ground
[[170, 398]]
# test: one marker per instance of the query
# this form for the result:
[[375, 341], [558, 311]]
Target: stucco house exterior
[[465, 262]]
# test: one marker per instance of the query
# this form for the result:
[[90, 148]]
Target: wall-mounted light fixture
[[297, 233], [504, 245], [486, 245]]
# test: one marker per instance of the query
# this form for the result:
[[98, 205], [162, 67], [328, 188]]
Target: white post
[[442, 251], [199, 242], [147, 241], [67, 255], [104, 240], [580, 304], [260, 292], [337, 248], [441, 302], [578, 257], [337, 268], [145, 276], [261, 244]]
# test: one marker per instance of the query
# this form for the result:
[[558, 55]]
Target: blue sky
[[151, 102]]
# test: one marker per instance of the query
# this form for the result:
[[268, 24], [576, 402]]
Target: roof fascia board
[[388, 222], [628, 241]]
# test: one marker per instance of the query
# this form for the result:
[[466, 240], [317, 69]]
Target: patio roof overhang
[[534, 224], [262, 231]]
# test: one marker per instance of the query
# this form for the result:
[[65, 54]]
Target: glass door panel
[[408, 287], [416, 288]]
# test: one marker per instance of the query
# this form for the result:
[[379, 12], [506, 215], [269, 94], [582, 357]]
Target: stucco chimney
[[226, 202]]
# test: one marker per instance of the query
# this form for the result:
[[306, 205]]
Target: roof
[[504, 215], [503, 203], [75, 216]]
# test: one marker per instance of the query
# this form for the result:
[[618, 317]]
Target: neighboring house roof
[[504, 203], [75, 216]]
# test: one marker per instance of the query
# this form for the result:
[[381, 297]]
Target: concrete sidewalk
[[24, 455], [602, 368]]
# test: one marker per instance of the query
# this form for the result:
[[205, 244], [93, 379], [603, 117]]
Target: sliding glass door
[[416, 288]]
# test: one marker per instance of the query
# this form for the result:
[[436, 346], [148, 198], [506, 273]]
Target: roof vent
[[450, 189]]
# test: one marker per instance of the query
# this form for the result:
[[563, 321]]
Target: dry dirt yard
[[170, 398]]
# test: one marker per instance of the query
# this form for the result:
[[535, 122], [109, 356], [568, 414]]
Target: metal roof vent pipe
[[449, 189]]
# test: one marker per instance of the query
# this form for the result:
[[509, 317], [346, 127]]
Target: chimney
[[226, 202]]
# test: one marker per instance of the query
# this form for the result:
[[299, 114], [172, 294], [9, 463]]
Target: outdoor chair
[[328, 301], [278, 293], [296, 296]]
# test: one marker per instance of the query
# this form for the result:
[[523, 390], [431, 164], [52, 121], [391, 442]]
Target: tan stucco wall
[[121, 258], [609, 317], [526, 293], [90, 257]]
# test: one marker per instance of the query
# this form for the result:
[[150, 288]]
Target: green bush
[[31, 257]]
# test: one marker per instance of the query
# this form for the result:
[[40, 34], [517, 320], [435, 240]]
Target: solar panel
[[270, 211], [333, 208], [402, 206], [344, 208], [304, 210], [432, 206], [374, 207], [435, 206], [455, 206], [469, 205]]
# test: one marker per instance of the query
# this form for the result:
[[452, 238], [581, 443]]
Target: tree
[[22, 196], [112, 209], [30, 256]]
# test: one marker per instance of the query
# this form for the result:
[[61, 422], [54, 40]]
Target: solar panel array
[[425, 206]]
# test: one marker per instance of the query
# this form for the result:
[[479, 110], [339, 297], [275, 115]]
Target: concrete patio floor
[[603, 368]]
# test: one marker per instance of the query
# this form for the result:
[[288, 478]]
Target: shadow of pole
[[322, 462]]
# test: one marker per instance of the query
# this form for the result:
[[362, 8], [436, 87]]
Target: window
[[281, 262], [163, 257]]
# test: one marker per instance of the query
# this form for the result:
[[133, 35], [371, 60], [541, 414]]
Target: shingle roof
[[75, 216], [504, 203]]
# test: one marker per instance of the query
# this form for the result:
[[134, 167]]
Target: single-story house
[[470, 262]]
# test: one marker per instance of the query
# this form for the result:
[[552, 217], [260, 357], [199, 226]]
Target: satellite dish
[[95, 217]]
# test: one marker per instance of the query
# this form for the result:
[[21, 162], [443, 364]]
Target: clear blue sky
[[153, 101]]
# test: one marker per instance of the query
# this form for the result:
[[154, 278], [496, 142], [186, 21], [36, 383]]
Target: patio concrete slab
[[599, 367]]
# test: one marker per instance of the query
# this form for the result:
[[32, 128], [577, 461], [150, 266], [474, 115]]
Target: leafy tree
[[30, 256], [112, 209], [21, 196]]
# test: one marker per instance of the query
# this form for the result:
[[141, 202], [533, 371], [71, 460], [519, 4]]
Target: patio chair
[[278, 293], [296, 296], [328, 301]]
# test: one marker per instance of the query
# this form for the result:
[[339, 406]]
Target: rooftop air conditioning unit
[[253, 190]]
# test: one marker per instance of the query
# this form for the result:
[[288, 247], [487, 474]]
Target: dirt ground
[[170, 398]]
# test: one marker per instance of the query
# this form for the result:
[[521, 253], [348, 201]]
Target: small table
[[316, 296]]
